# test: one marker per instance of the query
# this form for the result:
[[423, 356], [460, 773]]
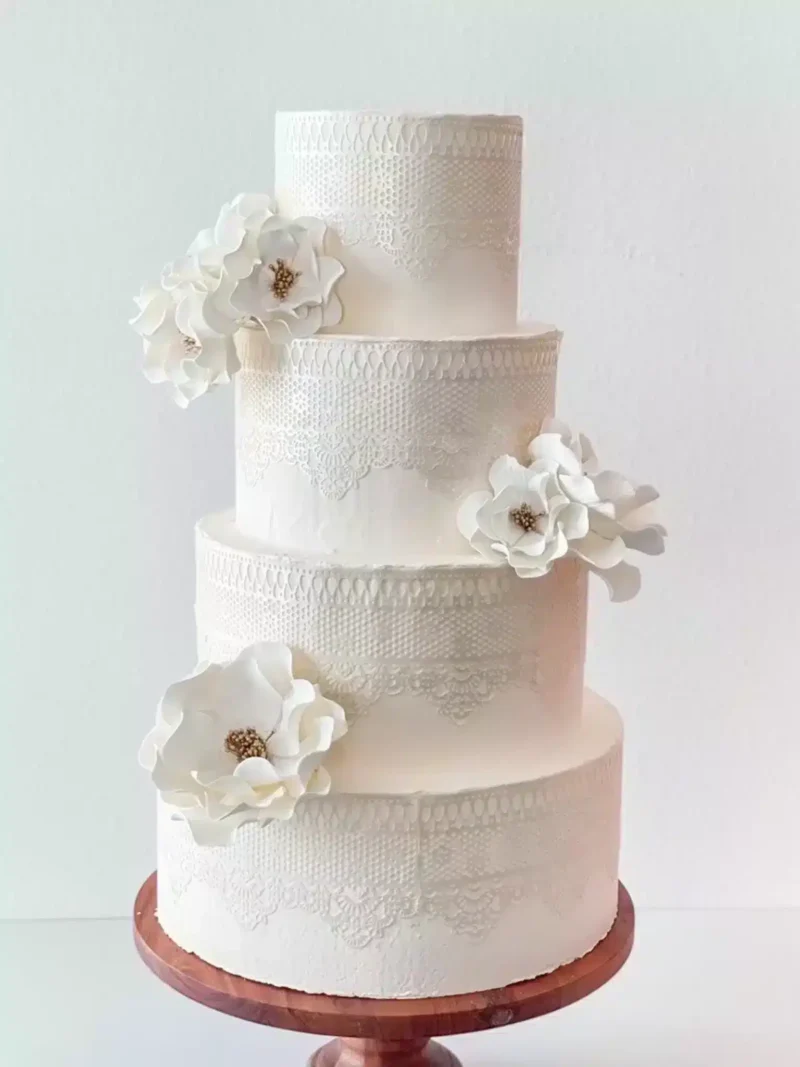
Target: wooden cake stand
[[376, 1033]]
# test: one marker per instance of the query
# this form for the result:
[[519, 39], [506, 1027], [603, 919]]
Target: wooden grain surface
[[400, 1020]]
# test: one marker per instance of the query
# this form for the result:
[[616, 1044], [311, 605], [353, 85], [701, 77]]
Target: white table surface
[[704, 988]]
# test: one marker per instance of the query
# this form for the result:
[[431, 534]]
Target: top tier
[[423, 210]]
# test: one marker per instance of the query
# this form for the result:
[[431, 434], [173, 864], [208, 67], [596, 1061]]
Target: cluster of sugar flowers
[[254, 267], [561, 504], [241, 742]]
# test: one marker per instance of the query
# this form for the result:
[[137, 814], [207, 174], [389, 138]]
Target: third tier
[[362, 448], [452, 675]]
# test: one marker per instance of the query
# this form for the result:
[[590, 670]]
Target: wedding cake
[[385, 777]]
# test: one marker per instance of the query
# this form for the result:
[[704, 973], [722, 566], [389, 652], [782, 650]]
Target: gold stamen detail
[[525, 517], [283, 278], [244, 744]]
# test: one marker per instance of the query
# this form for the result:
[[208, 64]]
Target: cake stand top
[[289, 1009]]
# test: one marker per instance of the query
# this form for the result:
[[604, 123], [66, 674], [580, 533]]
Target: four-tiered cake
[[386, 778]]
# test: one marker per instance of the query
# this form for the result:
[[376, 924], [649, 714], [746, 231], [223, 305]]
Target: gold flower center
[[525, 517], [283, 278], [244, 744], [190, 346]]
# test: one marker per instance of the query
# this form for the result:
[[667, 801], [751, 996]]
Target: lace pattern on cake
[[455, 636], [463, 859], [340, 409], [424, 202]]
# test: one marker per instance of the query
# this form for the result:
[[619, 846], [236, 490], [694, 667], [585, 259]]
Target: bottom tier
[[410, 896]]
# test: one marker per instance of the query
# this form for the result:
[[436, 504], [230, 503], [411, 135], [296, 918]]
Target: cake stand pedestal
[[378, 1033]]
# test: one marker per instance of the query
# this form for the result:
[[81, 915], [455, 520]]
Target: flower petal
[[247, 698], [574, 521], [599, 551], [550, 446], [623, 581], [319, 783], [332, 311], [154, 306], [649, 540], [257, 772], [210, 832], [611, 485], [507, 471], [314, 227], [330, 271], [580, 488], [280, 805], [467, 515], [274, 661]]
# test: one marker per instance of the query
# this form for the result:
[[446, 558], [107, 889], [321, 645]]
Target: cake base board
[[374, 1033]]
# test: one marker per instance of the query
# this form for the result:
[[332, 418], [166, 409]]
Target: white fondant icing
[[363, 448], [424, 213], [471, 835], [424, 895], [450, 673]]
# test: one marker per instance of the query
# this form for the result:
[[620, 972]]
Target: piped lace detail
[[433, 184], [456, 635], [364, 864], [339, 409]]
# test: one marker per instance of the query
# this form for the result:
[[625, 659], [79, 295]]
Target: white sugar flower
[[526, 519], [251, 266], [179, 347], [219, 258], [241, 741], [620, 516], [561, 504], [187, 321], [291, 290]]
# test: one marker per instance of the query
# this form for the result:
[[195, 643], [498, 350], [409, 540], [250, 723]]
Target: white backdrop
[[661, 233]]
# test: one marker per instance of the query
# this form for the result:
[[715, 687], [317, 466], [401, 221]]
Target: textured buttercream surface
[[471, 835], [411, 896], [452, 674], [424, 212], [363, 447]]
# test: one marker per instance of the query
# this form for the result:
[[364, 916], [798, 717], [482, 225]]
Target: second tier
[[361, 448], [452, 675]]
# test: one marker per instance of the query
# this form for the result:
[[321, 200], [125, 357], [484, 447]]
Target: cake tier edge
[[358, 445], [409, 896], [451, 674], [423, 211]]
